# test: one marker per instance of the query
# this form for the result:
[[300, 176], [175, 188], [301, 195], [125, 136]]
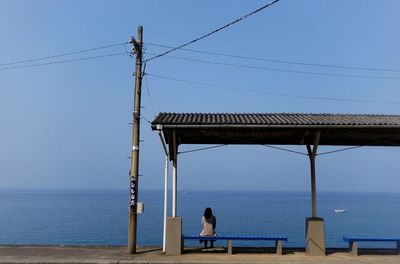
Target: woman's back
[[209, 225]]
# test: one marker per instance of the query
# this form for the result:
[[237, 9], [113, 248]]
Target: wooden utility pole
[[134, 172]]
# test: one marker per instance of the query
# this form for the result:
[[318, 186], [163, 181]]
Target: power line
[[147, 88], [335, 99], [64, 54], [63, 61], [282, 70], [281, 61], [146, 119], [214, 31], [144, 74]]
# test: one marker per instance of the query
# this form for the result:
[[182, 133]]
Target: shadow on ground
[[287, 251]]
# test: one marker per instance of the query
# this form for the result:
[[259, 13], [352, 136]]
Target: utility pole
[[134, 172]]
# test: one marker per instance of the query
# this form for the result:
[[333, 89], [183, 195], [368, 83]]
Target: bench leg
[[230, 251], [353, 248], [278, 247]]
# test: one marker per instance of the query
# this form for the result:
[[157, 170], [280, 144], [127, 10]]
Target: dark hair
[[207, 213]]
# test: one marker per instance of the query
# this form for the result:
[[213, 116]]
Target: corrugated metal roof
[[280, 128], [275, 119]]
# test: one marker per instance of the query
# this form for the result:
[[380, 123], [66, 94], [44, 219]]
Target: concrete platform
[[100, 254]]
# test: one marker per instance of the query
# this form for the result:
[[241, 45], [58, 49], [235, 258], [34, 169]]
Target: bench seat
[[353, 242], [277, 238]]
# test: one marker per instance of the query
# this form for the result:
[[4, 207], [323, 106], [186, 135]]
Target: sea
[[100, 217]]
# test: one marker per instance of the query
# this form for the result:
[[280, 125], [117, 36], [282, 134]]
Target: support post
[[134, 171], [166, 170], [278, 247], [312, 153], [230, 248], [165, 201], [174, 242], [398, 247], [174, 175], [353, 248], [315, 230]]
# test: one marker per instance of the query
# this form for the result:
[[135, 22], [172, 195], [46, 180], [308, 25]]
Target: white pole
[[165, 201], [174, 173], [174, 185], [165, 190]]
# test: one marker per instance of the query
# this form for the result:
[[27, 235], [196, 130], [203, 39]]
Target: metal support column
[[165, 201], [174, 174], [315, 230], [312, 153], [166, 170], [174, 243]]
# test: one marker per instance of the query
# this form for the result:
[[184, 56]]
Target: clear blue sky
[[66, 125]]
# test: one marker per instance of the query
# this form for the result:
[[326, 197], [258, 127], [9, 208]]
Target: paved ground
[[61, 254]]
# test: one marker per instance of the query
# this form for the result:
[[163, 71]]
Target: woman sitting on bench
[[208, 222]]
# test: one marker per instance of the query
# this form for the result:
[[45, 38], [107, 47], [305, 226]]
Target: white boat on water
[[339, 210]]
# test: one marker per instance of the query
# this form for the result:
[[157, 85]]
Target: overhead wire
[[147, 88], [129, 53], [280, 61], [282, 70], [62, 61], [144, 76], [64, 54], [145, 119], [214, 31], [335, 99]]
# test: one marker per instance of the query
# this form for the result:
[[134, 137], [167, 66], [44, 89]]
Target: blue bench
[[353, 247], [229, 238]]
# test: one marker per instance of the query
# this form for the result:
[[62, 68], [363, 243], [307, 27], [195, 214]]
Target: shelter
[[310, 130]]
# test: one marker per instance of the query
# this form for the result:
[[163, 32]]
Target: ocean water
[[87, 217]]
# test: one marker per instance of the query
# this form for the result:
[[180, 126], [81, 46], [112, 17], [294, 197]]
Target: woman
[[208, 222]]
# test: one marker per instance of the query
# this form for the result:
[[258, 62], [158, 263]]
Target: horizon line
[[185, 190]]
